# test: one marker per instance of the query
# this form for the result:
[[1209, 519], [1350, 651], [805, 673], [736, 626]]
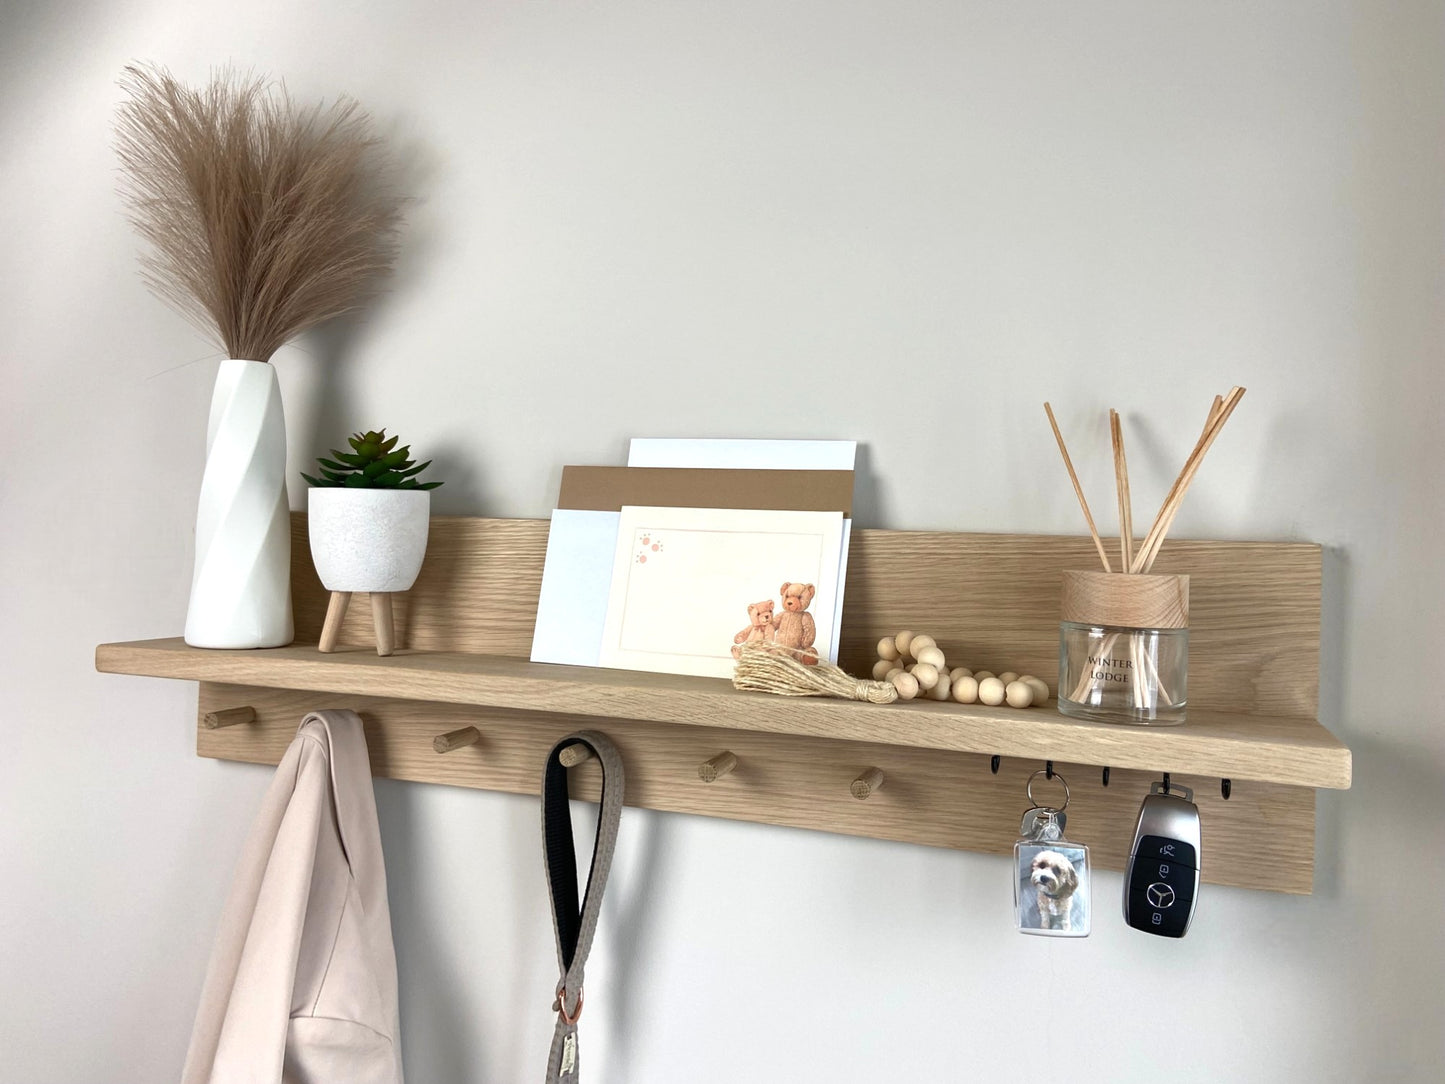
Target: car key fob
[[1161, 883]]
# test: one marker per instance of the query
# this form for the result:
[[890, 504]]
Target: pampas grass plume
[[263, 219]]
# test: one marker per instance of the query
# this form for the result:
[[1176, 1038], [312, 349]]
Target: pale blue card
[[576, 579]]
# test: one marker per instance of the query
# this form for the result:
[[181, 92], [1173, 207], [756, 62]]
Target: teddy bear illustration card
[[690, 586]]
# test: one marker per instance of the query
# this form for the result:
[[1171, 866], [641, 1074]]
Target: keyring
[[1029, 790]]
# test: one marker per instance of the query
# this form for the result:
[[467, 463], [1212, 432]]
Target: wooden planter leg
[[335, 614], [381, 619]]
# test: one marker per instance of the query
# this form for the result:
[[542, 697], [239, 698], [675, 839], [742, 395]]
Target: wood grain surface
[[1289, 749], [991, 601], [1262, 837], [464, 632]]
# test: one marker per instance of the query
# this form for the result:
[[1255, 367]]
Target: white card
[[742, 454], [689, 584]]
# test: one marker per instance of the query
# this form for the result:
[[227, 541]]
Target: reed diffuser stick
[[1144, 559], [1121, 483], [1078, 489]]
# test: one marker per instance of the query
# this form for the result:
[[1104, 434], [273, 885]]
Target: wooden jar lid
[[1127, 601]]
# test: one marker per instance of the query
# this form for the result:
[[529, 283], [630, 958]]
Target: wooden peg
[[381, 619], [867, 783], [710, 771], [215, 720], [456, 739], [335, 615], [574, 755]]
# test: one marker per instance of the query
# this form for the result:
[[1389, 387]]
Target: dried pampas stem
[[264, 220], [767, 668]]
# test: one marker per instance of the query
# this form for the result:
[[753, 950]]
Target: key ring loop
[[560, 1006], [1029, 789]]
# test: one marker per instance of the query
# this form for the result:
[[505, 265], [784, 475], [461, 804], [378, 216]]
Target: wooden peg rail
[[458, 703]]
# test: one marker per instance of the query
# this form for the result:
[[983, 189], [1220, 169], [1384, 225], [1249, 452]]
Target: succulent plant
[[375, 462]]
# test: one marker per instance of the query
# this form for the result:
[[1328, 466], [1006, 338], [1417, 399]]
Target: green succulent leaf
[[376, 463]]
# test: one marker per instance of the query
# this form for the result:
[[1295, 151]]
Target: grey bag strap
[[574, 925]]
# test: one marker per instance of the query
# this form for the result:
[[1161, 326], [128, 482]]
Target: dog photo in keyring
[[1052, 889]]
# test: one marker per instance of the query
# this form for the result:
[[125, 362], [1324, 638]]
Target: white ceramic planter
[[241, 585], [368, 539]]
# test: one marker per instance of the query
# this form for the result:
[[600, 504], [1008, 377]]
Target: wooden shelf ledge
[[1288, 750]]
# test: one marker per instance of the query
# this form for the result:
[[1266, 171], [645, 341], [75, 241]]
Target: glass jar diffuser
[[1124, 648]]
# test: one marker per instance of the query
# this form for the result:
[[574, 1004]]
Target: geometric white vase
[[241, 585], [370, 540]]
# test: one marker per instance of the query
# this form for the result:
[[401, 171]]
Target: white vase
[[241, 587], [368, 539]]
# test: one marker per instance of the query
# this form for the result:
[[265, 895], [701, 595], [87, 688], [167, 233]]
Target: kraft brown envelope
[[607, 489]]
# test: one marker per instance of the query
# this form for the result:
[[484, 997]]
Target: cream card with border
[[690, 584], [766, 454]]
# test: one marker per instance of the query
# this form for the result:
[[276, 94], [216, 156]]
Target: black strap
[[574, 925]]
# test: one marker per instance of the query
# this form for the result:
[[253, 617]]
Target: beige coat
[[301, 987]]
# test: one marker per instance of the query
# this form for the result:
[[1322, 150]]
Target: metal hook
[[1225, 786], [993, 763], [1048, 769], [1166, 782], [1106, 776]]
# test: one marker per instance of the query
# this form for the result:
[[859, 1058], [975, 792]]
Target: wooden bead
[[942, 688], [919, 643], [930, 655], [958, 672], [1008, 677], [906, 684], [1019, 694], [894, 672], [925, 674], [882, 667], [887, 649], [991, 692], [983, 675], [903, 641], [1041, 690], [965, 689]]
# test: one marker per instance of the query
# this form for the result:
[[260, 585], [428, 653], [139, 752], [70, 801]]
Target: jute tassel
[[768, 668]]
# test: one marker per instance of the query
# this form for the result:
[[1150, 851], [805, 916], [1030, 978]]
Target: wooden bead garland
[[915, 665]]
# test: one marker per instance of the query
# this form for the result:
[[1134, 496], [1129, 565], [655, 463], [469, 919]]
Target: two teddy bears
[[793, 628]]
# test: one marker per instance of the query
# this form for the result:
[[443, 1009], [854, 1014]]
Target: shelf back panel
[[1262, 837], [990, 600]]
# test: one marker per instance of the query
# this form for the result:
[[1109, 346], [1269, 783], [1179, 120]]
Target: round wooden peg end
[[710, 771], [866, 783]]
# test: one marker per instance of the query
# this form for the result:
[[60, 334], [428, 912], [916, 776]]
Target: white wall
[[905, 222]]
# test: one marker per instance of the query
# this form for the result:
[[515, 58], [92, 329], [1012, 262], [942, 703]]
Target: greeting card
[[691, 585]]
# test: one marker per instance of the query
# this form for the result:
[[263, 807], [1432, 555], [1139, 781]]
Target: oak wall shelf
[[465, 631], [1294, 751]]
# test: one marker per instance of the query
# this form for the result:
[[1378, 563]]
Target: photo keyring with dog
[[1051, 875]]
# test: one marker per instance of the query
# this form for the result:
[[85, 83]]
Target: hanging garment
[[301, 988], [574, 925]]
